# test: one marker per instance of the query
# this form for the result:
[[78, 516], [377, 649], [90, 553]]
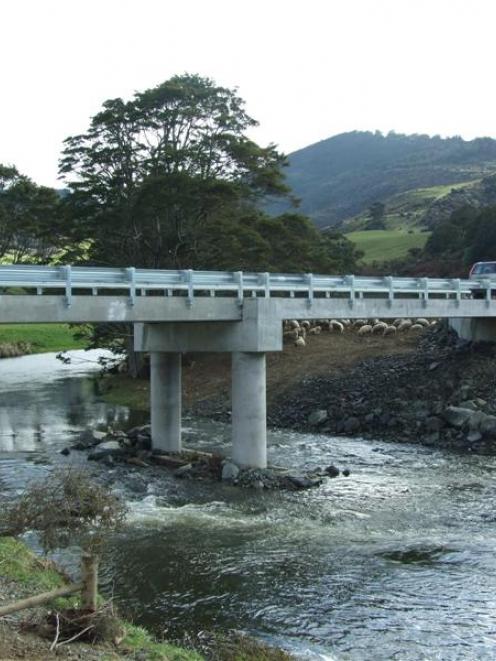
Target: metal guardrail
[[71, 280]]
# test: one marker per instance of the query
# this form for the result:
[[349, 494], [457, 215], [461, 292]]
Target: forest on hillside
[[342, 176]]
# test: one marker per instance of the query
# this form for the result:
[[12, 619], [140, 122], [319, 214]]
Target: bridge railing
[[20, 279]]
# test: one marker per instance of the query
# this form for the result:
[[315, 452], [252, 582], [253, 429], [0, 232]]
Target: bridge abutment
[[165, 400]]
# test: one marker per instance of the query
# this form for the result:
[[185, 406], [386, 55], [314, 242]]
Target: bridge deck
[[88, 294]]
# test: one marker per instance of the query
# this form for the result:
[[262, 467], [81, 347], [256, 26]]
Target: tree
[[152, 173], [29, 218], [377, 212]]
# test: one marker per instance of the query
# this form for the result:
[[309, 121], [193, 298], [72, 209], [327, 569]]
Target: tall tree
[[151, 173], [29, 218]]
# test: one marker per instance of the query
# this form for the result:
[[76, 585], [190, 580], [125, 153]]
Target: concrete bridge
[[241, 313]]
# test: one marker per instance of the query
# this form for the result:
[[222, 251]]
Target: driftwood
[[42, 598]]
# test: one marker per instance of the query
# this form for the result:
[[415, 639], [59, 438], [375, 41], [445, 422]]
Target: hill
[[342, 176]]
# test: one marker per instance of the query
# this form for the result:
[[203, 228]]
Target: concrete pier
[[249, 431], [165, 393]]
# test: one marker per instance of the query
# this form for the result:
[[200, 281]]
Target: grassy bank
[[22, 573], [40, 338]]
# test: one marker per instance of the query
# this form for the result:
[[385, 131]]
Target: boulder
[[351, 424], [457, 416], [317, 417], [89, 438], [433, 423], [230, 471], [488, 425], [332, 471], [109, 445]]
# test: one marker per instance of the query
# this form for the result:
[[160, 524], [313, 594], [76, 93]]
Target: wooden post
[[89, 579]]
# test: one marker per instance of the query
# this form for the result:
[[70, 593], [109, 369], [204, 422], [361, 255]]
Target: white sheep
[[293, 323], [365, 330], [416, 327], [397, 322], [405, 325], [422, 322], [290, 336], [316, 330], [389, 330], [378, 327], [300, 342], [305, 324], [335, 325]]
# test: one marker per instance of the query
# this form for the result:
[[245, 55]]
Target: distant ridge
[[342, 176]]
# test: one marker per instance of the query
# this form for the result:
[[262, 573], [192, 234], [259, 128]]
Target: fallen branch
[[42, 598]]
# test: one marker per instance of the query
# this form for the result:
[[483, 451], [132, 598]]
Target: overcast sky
[[307, 69]]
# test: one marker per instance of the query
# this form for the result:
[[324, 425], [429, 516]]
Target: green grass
[[406, 210], [19, 564], [41, 337], [385, 245]]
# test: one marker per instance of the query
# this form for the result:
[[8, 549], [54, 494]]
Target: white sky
[[307, 69]]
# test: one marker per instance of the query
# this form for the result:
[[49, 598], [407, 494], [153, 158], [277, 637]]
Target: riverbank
[[23, 339], [428, 388], [23, 574]]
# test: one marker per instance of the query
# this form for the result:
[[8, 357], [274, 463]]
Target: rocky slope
[[442, 394]]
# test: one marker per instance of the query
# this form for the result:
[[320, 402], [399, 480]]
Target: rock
[[110, 445], [457, 416], [88, 439], [332, 471], [351, 424], [65, 452], [488, 425], [317, 417], [258, 484], [137, 431], [230, 471], [346, 472], [369, 418], [474, 436], [302, 482], [433, 423], [99, 454]]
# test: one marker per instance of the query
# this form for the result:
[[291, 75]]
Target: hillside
[[340, 177]]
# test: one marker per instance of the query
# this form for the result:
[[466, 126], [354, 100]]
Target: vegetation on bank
[[37, 338], [386, 245], [27, 572]]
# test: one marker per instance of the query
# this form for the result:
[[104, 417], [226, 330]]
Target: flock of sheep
[[297, 331]]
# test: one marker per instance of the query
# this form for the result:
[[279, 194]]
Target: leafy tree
[[29, 218], [377, 212], [152, 173]]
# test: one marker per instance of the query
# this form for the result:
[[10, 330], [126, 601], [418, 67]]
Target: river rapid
[[396, 561]]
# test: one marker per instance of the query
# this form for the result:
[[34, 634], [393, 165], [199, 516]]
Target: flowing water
[[396, 561]]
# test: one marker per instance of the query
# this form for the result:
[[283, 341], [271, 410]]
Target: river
[[396, 561]]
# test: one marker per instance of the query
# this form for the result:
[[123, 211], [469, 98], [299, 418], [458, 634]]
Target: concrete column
[[165, 393], [249, 423]]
